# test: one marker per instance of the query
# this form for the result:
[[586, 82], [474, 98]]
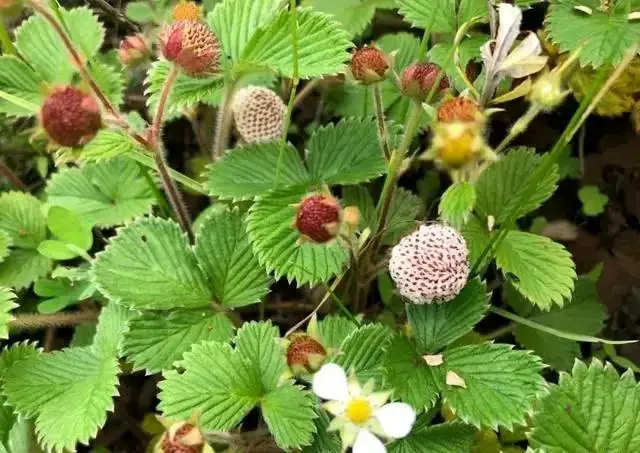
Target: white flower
[[361, 416], [522, 61]]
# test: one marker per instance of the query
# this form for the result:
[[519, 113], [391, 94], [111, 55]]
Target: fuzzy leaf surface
[[334, 329], [363, 350], [5, 243], [108, 144], [444, 438], [457, 204], [18, 79], [289, 414], [21, 217], [7, 304], [22, 267]]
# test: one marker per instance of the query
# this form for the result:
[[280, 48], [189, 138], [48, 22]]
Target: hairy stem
[[148, 162], [13, 179], [173, 194], [35, 321], [306, 91], [383, 136], [223, 122], [518, 127]]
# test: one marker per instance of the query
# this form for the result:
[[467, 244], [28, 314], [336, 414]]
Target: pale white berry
[[258, 113], [430, 265]]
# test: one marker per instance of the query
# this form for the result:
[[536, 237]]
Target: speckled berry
[[182, 438], [305, 354], [369, 65], [258, 114], [70, 117], [430, 265], [417, 80], [459, 109], [318, 218], [192, 46]]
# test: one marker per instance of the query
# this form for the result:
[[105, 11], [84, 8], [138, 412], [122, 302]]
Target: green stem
[[340, 305], [223, 123], [383, 136], [500, 332], [519, 127], [192, 184], [162, 201], [7, 45]]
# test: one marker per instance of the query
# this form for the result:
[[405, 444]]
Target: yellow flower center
[[359, 411], [457, 150]]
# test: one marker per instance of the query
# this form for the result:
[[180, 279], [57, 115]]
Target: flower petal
[[396, 419], [510, 18], [335, 408], [330, 383], [368, 443]]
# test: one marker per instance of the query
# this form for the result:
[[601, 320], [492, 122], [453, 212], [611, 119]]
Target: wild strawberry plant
[[390, 356]]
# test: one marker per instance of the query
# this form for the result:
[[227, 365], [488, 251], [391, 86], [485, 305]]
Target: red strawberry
[[318, 217], [305, 354], [70, 116], [369, 65]]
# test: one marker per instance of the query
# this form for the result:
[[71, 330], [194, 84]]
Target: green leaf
[[540, 269], [593, 201], [226, 257], [251, 171], [21, 217], [68, 227], [154, 341], [362, 351], [108, 144], [457, 203], [56, 250], [405, 207], [444, 438], [334, 329], [5, 243], [437, 325], [112, 325], [22, 267], [16, 352], [353, 15], [324, 441], [18, 79], [477, 238], [498, 187], [289, 413], [41, 46], [103, 194], [322, 45], [409, 376], [593, 410], [582, 316], [597, 34], [141, 12], [217, 383], [7, 304], [468, 51], [149, 265], [237, 21], [274, 240], [110, 80], [360, 197], [501, 384], [186, 92], [436, 16], [346, 153], [68, 392], [256, 342]]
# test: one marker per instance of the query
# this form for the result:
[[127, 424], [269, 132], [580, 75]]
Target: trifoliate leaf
[[501, 384], [346, 153], [110, 80], [596, 34], [41, 46], [322, 45], [540, 269], [583, 316], [18, 79], [256, 342], [289, 414], [445, 438], [104, 193], [593, 201], [154, 341], [112, 325], [324, 441], [186, 92], [457, 203], [274, 240], [437, 325], [226, 257], [68, 392], [252, 170], [409, 376], [236, 21], [149, 265], [217, 382], [362, 351], [405, 207], [108, 144], [5, 243], [477, 238], [7, 303], [468, 51], [21, 217], [498, 189], [61, 293], [353, 15], [593, 410], [334, 329], [436, 16], [22, 267]]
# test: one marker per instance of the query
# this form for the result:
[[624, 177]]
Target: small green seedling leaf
[[593, 201], [69, 228]]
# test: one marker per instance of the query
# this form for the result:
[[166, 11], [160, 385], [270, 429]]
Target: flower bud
[[186, 10], [459, 109], [134, 49], [456, 144], [258, 113], [430, 265], [369, 65], [418, 79], [70, 117], [305, 354], [547, 91], [192, 46], [318, 218], [182, 437]]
